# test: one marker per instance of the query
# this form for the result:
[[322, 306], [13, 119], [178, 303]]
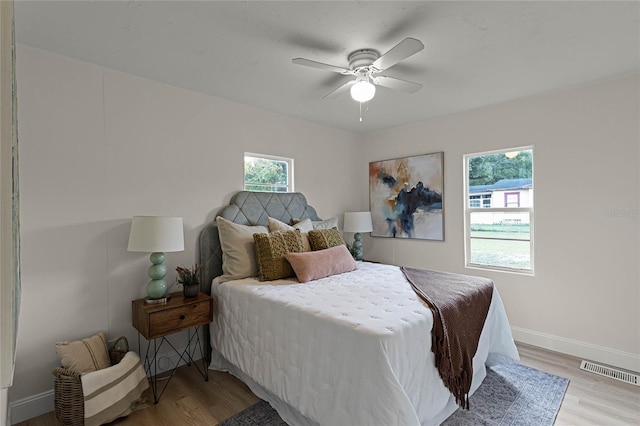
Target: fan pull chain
[[366, 110]]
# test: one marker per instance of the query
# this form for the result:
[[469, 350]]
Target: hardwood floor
[[590, 399], [188, 400]]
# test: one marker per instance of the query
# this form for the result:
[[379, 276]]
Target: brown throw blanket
[[459, 304]]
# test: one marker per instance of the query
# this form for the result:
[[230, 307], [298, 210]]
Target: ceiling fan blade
[[340, 90], [320, 65], [401, 51], [397, 84]]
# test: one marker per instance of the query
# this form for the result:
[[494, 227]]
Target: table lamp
[[357, 222], [156, 234]]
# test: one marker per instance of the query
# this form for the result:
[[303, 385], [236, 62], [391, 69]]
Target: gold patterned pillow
[[304, 226], [270, 251], [324, 238]]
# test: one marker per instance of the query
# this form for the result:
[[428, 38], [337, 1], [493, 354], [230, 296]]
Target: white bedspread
[[351, 349]]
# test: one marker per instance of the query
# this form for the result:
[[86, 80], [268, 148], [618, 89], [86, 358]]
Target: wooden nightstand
[[155, 321]]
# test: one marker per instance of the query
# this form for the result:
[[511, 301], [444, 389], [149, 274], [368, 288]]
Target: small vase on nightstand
[[190, 290], [190, 279]]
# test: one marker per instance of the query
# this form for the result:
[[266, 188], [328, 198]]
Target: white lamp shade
[[357, 222], [363, 91], [156, 234]]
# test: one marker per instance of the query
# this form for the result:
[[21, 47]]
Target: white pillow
[[304, 226], [321, 224], [238, 249]]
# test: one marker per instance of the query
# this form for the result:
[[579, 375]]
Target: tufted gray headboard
[[248, 208]]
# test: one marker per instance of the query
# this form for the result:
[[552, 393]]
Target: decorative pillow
[[270, 251], [318, 264], [304, 226], [325, 238], [238, 249], [321, 224], [82, 356]]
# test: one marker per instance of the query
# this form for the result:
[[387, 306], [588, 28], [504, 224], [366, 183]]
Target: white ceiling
[[476, 53]]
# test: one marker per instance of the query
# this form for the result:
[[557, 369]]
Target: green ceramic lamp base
[[157, 287], [357, 246]]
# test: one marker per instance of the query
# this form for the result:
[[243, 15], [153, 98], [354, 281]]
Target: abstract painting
[[406, 195]]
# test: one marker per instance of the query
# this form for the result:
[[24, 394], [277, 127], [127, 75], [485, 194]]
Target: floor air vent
[[614, 373]]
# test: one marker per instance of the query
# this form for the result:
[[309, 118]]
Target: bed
[[348, 349]]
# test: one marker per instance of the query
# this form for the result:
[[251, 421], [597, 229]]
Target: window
[[512, 199], [267, 173], [482, 200], [499, 235]]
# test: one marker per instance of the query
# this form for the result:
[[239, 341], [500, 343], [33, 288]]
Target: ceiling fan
[[367, 65]]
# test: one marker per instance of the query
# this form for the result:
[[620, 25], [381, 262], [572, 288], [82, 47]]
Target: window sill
[[499, 269]]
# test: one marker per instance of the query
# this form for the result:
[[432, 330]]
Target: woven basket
[[68, 396], [118, 350]]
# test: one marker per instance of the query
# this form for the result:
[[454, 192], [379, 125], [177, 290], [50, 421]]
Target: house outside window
[[267, 173], [499, 210]]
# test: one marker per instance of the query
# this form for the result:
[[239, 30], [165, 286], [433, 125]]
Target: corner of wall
[[4, 406]]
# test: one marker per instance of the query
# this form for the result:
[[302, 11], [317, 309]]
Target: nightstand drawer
[[179, 318], [177, 314]]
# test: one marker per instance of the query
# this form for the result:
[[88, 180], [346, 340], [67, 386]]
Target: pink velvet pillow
[[317, 264]]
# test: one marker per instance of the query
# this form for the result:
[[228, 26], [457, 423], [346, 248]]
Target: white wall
[[584, 297], [97, 147]]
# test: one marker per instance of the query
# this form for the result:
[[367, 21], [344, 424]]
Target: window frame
[[469, 210], [289, 161], [506, 198], [9, 204]]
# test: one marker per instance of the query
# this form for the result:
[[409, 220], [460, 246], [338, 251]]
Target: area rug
[[511, 394]]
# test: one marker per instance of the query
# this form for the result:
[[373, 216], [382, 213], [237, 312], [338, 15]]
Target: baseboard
[[612, 357], [37, 405], [30, 407]]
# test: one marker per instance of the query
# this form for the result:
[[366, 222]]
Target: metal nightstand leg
[[186, 356], [205, 370]]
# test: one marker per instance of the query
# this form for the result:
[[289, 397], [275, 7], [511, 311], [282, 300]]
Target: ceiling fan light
[[363, 91]]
